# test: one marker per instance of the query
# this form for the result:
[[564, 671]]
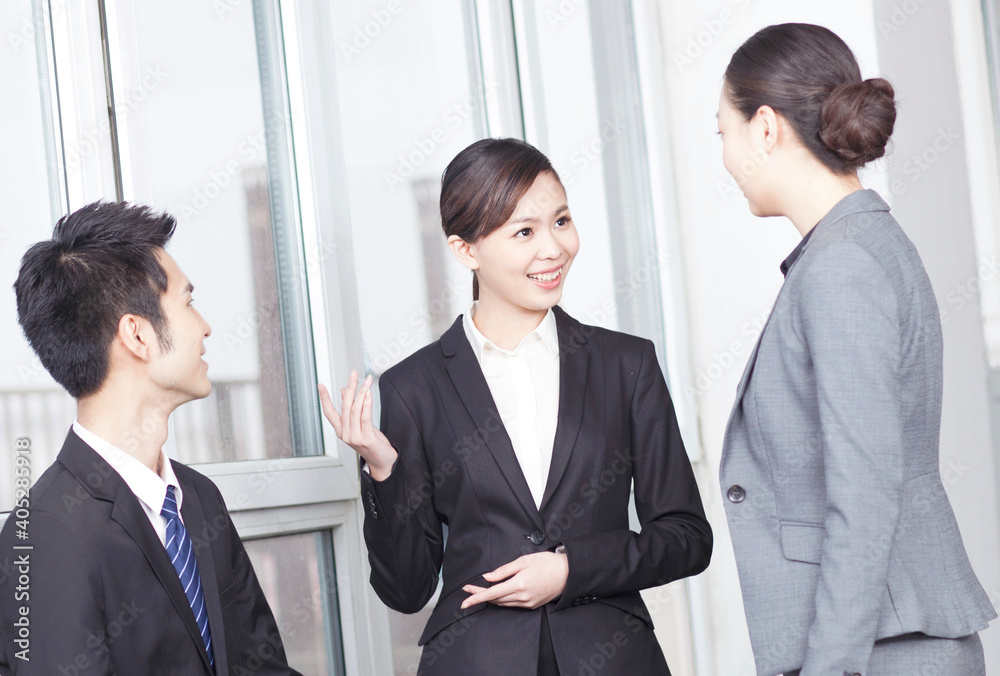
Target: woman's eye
[[523, 232], [565, 220]]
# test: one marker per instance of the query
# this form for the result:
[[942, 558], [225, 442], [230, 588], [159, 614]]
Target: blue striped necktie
[[181, 554]]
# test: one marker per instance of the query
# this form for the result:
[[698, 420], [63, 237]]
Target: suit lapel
[[86, 464], [752, 360], [195, 522], [128, 513], [470, 383], [573, 360]]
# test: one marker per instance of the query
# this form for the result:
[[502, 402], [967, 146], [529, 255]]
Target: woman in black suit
[[523, 431]]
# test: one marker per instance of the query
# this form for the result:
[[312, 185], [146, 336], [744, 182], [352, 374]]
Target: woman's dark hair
[[74, 288], [481, 187], [810, 76]]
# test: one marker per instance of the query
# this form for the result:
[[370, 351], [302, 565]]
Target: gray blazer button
[[537, 537], [736, 493]]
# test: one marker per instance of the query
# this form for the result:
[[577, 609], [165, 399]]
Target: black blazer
[[104, 597], [457, 469]]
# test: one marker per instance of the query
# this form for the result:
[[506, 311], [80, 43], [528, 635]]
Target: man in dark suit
[[121, 561]]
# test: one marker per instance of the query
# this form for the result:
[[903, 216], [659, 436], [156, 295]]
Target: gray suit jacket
[[841, 527]]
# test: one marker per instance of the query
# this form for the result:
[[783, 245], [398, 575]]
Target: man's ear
[[464, 252], [136, 334]]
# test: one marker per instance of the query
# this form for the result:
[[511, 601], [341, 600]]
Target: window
[[300, 146]]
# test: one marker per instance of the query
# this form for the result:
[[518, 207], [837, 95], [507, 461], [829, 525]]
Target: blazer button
[[736, 493], [371, 505], [537, 537]]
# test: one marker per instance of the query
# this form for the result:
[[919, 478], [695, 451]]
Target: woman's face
[[743, 154], [522, 264]]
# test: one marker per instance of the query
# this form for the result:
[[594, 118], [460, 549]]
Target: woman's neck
[[814, 194], [504, 324]]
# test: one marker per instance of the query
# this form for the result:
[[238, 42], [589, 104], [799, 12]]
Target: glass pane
[[563, 120], [408, 106], [210, 145], [32, 405], [418, 108], [299, 579]]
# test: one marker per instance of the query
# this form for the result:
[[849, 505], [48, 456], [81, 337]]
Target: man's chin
[[200, 391]]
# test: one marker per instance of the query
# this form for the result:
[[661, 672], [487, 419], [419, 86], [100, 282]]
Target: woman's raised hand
[[353, 425]]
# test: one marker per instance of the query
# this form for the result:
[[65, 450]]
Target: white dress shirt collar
[[147, 485], [546, 332]]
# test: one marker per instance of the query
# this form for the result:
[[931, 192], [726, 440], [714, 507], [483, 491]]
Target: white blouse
[[524, 383]]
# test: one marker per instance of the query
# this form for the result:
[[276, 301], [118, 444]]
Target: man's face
[[179, 369]]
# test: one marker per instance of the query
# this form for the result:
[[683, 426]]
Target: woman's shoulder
[[419, 366], [413, 368], [613, 343]]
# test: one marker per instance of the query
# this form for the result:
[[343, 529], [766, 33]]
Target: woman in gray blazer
[[848, 552]]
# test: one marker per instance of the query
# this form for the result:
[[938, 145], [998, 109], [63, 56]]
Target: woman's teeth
[[547, 277]]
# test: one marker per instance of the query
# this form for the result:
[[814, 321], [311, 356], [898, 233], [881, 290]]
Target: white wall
[[731, 258]]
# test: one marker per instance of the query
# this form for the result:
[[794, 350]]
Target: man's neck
[[128, 422]]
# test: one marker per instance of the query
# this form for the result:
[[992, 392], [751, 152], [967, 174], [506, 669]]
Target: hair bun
[[857, 120]]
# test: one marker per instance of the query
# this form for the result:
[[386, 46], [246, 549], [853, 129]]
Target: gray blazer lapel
[[470, 383], [858, 201]]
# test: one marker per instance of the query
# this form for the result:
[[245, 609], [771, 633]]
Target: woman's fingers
[[347, 404], [357, 408], [366, 411], [497, 591], [528, 581], [508, 569], [329, 411]]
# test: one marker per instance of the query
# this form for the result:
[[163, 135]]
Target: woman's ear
[[768, 121], [464, 252]]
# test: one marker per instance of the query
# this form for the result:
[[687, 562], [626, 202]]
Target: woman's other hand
[[529, 581]]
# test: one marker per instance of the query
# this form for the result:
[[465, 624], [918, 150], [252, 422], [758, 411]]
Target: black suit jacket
[[103, 595], [457, 469]]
